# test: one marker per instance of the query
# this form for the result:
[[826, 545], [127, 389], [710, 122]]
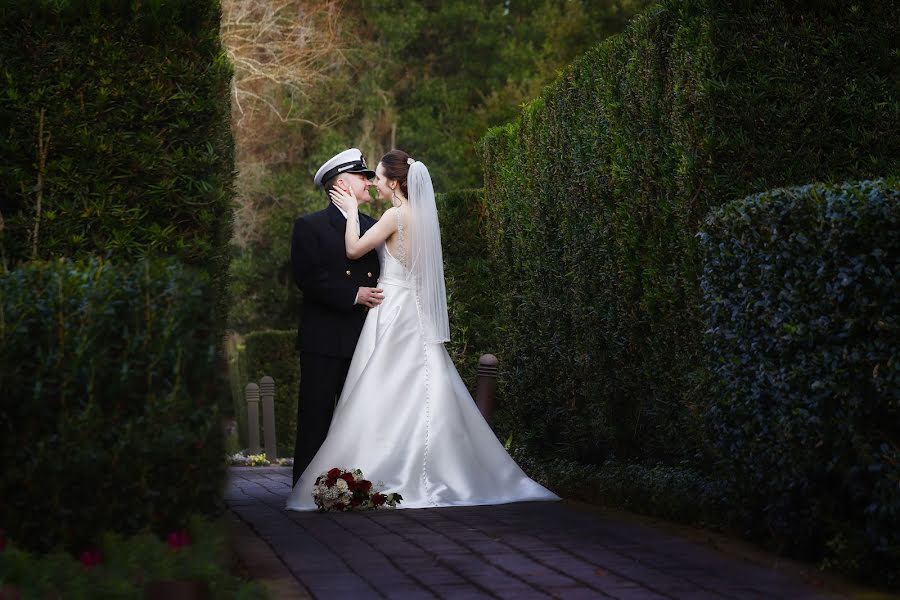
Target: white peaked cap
[[348, 161]]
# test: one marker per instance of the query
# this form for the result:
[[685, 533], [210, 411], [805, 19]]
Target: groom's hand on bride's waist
[[370, 297]]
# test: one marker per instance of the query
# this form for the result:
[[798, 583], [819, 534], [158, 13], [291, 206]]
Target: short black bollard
[[486, 386], [267, 394], [251, 395]]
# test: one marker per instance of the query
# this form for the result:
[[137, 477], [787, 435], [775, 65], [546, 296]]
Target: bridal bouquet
[[342, 489]]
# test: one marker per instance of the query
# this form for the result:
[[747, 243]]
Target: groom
[[337, 293]]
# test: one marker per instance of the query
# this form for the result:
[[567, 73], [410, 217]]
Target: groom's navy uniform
[[330, 323]]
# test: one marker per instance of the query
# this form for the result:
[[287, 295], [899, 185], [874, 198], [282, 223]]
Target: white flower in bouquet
[[344, 489]]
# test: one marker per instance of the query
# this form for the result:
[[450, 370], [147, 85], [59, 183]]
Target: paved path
[[518, 551]]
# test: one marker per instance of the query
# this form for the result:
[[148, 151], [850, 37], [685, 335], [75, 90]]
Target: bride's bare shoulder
[[388, 216]]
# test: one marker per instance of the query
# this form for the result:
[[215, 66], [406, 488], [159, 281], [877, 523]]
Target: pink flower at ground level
[[8, 592], [178, 539], [90, 558]]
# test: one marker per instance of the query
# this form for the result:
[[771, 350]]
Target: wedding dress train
[[406, 419]]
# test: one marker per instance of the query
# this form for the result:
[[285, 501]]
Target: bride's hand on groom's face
[[345, 200]]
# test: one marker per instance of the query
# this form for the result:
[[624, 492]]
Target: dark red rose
[[378, 499], [348, 477], [334, 473], [365, 485], [178, 539], [8, 592], [90, 558], [330, 482]]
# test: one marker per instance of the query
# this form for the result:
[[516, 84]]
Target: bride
[[405, 418]]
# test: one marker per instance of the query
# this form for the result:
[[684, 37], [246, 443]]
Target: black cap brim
[[354, 167], [367, 172]]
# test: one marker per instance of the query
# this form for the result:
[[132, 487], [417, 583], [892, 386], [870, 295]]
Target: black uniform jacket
[[330, 323]]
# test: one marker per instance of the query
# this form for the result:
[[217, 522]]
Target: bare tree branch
[[290, 58]]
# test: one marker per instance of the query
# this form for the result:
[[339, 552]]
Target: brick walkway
[[518, 551]]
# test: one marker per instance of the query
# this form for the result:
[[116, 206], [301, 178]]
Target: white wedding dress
[[406, 419]]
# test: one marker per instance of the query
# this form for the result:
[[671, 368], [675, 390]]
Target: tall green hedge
[[110, 382], [272, 353], [595, 194], [469, 274], [136, 107], [801, 291]]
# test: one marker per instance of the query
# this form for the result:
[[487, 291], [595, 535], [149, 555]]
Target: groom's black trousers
[[321, 381]]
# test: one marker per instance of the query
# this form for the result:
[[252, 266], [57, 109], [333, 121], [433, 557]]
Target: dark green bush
[[125, 566], [802, 301], [134, 100], [237, 381], [679, 493], [110, 380], [273, 353], [594, 196], [469, 275]]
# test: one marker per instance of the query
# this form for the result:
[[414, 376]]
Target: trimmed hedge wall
[[128, 564], [136, 117], [110, 380], [272, 353], [469, 273], [594, 196], [237, 380], [801, 291]]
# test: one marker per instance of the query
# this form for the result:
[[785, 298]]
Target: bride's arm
[[377, 234]]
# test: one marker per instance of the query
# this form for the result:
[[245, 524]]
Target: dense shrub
[[679, 493], [237, 381], [469, 275], [263, 292], [125, 566], [272, 353], [110, 381], [802, 299], [594, 196], [133, 101]]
